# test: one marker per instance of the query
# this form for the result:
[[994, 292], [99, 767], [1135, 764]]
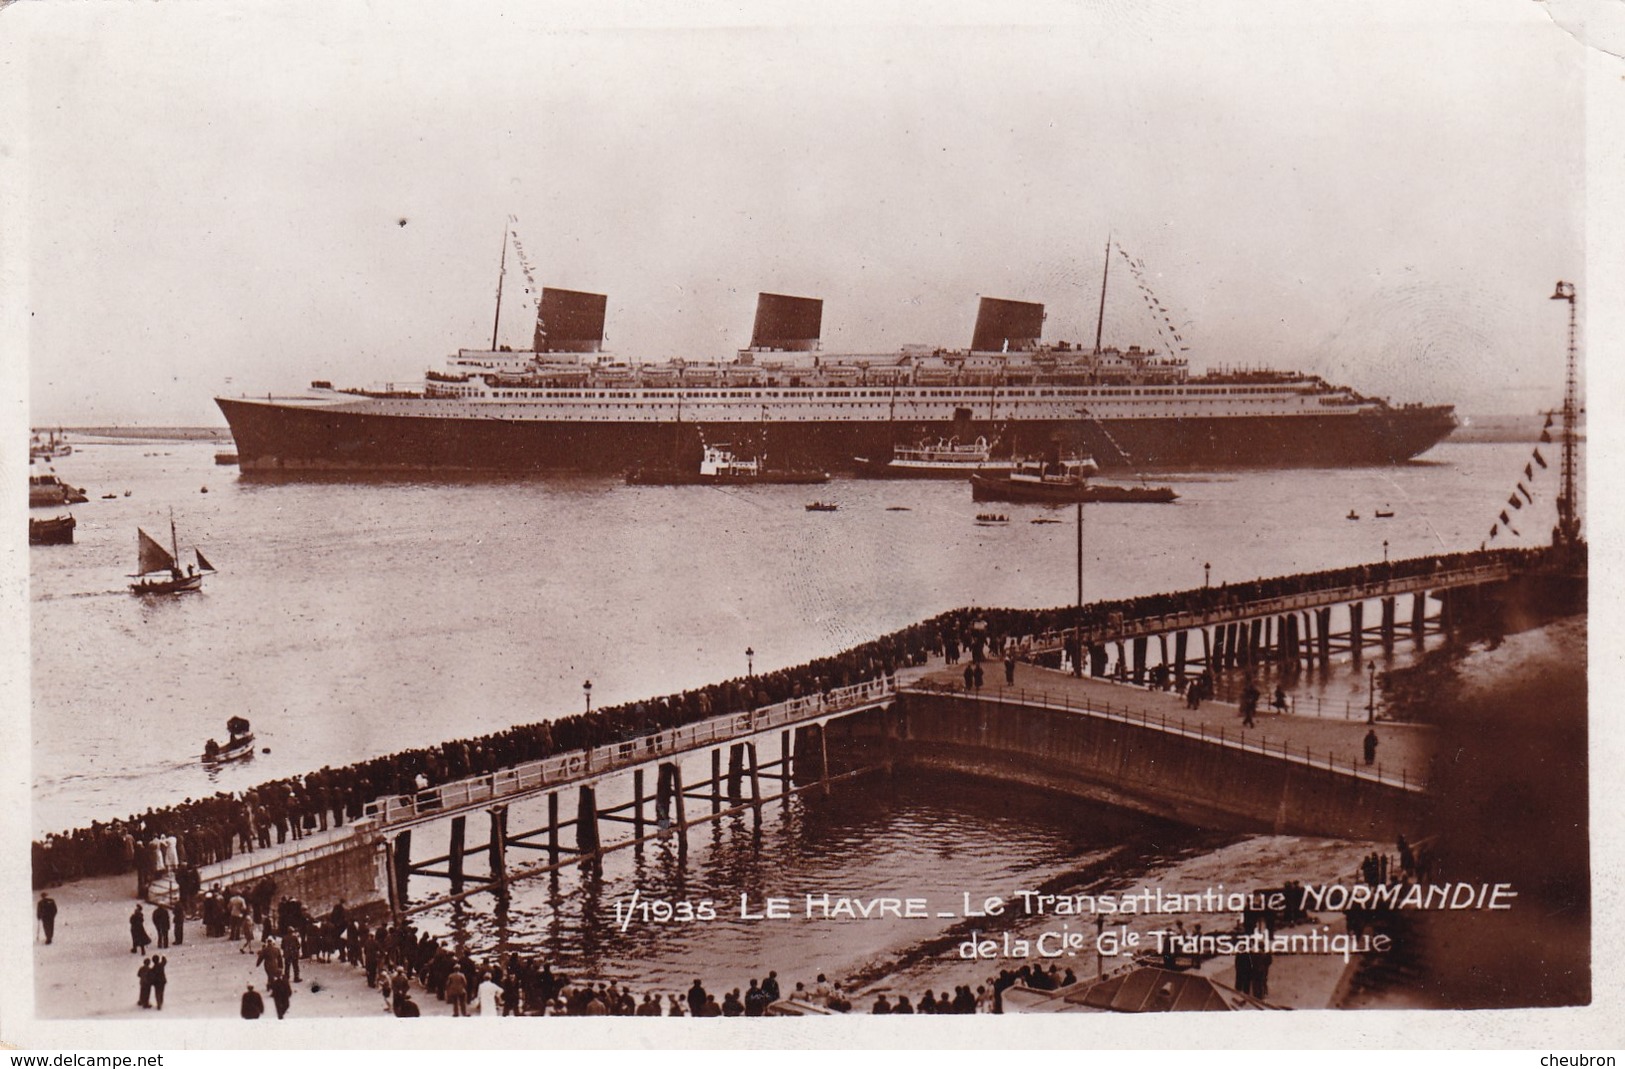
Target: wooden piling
[[637, 805], [553, 827], [402, 866], [682, 808], [736, 771], [499, 845], [755, 780], [587, 841], [823, 752], [454, 863]]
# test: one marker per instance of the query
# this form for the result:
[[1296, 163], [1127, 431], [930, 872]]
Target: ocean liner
[[565, 405]]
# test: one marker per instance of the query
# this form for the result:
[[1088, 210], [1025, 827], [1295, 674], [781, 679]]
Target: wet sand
[[88, 970]]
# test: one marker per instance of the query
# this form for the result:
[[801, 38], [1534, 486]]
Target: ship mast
[[502, 274], [1100, 319], [1568, 519], [174, 547]]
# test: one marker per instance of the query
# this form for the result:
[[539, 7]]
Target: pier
[[1111, 726]]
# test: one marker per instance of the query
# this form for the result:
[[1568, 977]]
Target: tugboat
[[239, 743], [823, 506], [153, 558], [989, 519], [1061, 481], [718, 466]]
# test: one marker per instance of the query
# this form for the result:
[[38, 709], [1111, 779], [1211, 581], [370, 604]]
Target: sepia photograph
[[1054, 514]]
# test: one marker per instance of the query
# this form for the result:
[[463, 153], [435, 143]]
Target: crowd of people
[[180, 839]]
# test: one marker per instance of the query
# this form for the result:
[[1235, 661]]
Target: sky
[[210, 198]]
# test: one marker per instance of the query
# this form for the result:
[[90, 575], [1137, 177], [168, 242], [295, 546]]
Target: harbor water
[[356, 618]]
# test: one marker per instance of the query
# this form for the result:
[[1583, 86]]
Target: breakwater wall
[[1195, 781]]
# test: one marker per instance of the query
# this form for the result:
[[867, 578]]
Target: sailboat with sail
[[153, 559]]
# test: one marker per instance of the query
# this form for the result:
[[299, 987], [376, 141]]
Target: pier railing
[[576, 765], [1162, 623], [1405, 779]]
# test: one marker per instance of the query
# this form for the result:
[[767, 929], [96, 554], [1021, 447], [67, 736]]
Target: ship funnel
[[1007, 326], [569, 321], [788, 323]]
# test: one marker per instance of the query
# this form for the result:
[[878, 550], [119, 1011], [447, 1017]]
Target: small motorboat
[[1384, 514], [898, 508], [109, 497], [239, 743], [1044, 519], [822, 506], [1353, 515]]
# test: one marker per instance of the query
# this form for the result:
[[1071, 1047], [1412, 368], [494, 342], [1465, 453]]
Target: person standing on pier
[[281, 993], [1371, 746], [160, 924], [144, 975], [160, 979], [253, 1005], [457, 993], [488, 997], [138, 932], [46, 912], [270, 956]]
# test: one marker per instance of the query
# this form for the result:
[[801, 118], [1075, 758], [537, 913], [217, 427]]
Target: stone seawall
[[358, 874], [1142, 768]]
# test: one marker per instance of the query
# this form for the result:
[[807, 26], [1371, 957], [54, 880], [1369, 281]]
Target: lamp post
[[586, 689], [750, 661], [1207, 575], [1385, 551], [1371, 692]]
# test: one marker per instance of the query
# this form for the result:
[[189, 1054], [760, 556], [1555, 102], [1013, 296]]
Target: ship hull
[[291, 438], [56, 532]]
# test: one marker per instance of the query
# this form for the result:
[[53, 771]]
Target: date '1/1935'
[[806, 907]]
